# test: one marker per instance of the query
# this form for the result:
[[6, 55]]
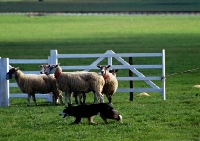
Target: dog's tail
[[120, 118]]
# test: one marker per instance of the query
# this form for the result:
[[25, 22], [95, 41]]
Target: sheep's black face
[[11, 72]]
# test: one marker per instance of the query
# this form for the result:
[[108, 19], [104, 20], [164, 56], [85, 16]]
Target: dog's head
[[66, 111]]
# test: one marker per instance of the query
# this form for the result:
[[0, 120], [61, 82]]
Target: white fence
[[53, 59]]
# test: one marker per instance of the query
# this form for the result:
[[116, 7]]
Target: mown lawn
[[145, 118]]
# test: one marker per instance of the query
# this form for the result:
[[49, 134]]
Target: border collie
[[89, 110]]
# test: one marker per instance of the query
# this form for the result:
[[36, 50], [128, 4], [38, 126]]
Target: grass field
[[99, 6], [146, 118]]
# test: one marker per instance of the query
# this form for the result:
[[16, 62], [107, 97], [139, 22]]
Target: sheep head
[[11, 73], [113, 72], [103, 69], [43, 68], [53, 69]]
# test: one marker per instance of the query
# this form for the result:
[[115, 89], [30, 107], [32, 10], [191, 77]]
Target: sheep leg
[[68, 98], [28, 100], [34, 99], [109, 98], [76, 99], [101, 98], [84, 98], [80, 98], [96, 98], [54, 99], [60, 98]]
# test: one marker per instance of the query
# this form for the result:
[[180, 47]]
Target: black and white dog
[[89, 110]]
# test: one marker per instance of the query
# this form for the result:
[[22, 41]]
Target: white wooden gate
[[124, 65]]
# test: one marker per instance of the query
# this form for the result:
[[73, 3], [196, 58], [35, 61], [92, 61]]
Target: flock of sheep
[[53, 80]]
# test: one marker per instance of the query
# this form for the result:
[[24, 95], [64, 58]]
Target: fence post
[[4, 84], [53, 56], [109, 58], [163, 75], [50, 96], [131, 82], [53, 60]]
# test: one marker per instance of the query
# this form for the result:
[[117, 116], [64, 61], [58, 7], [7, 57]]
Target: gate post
[[163, 75], [53, 56], [50, 96], [131, 82], [4, 84], [52, 60], [109, 58]]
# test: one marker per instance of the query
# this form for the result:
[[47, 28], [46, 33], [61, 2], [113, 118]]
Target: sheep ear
[[17, 68], [40, 65], [116, 70], [99, 66], [108, 66]]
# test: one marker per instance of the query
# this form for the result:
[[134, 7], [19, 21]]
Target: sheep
[[111, 83], [42, 71], [78, 82], [76, 95], [33, 83], [113, 72]]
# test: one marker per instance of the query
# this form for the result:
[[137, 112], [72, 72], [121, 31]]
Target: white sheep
[[111, 83], [78, 82], [113, 72], [42, 71], [33, 83], [76, 95]]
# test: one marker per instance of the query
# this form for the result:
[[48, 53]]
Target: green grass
[[146, 118], [99, 6]]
